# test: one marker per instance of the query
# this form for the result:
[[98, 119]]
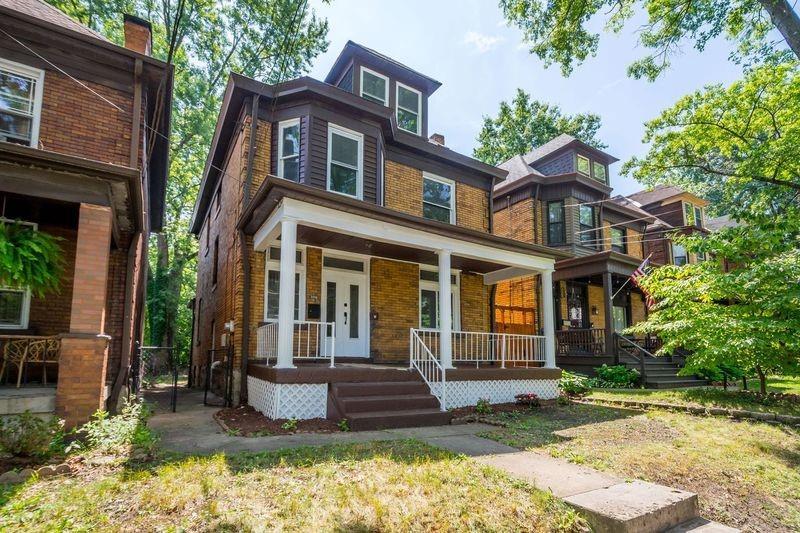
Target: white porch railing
[[312, 340], [428, 365], [479, 347]]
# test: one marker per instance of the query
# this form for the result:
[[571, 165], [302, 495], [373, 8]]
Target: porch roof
[[599, 263], [275, 191]]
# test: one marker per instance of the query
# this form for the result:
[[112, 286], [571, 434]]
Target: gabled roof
[[635, 208], [724, 221], [41, 10], [352, 49], [656, 194], [562, 141]]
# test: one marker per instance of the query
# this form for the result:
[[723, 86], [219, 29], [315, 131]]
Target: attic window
[[599, 172], [409, 104], [374, 87], [289, 150], [583, 165]]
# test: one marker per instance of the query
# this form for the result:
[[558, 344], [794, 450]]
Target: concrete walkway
[[609, 503]]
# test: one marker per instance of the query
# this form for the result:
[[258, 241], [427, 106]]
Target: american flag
[[638, 274]]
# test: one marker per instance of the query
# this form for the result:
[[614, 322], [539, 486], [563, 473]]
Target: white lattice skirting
[[465, 393], [288, 400]]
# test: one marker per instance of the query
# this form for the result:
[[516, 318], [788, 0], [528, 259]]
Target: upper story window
[[20, 103], [345, 161], [438, 199], [586, 225], [374, 87], [583, 165], [692, 215], [555, 223], [289, 150], [679, 255], [599, 170], [409, 109], [618, 240]]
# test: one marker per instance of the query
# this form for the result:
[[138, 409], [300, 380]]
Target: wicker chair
[[44, 352], [15, 353]]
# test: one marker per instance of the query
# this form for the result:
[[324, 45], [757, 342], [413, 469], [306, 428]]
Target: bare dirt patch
[[245, 421]]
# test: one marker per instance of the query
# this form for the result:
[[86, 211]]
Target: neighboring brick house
[[559, 195], [83, 156], [323, 225]]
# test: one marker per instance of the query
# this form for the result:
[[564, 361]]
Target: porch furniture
[[44, 352], [15, 352]]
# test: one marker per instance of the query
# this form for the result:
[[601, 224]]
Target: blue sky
[[479, 60]]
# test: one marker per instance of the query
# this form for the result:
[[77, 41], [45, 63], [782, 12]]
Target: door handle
[[345, 318]]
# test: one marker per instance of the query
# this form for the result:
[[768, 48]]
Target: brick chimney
[[138, 34], [437, 138]]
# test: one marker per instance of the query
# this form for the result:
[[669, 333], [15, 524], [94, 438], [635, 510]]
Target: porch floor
[[36, 399]]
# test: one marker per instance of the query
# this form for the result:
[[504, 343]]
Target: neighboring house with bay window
[[83, 157], [346, 258], [559, 195]]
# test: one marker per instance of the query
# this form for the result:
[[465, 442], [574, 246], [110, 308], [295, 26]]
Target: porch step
[[677, 383], [37, 400], [387, 404]]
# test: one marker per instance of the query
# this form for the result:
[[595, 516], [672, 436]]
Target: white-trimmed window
[[20, 103], [409, 109], [374, 86], [272, 284], [438, 198], [429, 299], [15, 302], [289, 149], [679, 255], [692, 215], [583, 165], [345, 161]]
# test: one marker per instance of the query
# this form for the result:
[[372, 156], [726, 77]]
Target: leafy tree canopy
[[560, 31], [526, 123]]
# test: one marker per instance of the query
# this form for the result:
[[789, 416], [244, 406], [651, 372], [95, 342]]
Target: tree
[[527, 123], [205, 40], [557, 30]]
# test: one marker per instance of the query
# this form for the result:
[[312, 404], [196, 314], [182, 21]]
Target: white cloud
[[482, 43]]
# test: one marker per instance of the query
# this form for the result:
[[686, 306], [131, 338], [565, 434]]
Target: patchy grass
[[747, 474], [381, 486], [711, 397]]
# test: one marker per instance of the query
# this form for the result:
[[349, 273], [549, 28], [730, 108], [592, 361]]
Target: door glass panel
[[354, 311], [428, 312], [620, 318], [330, 302]]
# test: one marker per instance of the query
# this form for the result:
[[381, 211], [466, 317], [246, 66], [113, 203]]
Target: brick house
[[559, 195], [84, 157], [325, 218]]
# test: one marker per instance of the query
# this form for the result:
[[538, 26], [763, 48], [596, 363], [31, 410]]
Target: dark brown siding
[[671, 213], [346, 82], [562, 164]]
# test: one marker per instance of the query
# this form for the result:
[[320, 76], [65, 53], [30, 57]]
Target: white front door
[[345, 302]]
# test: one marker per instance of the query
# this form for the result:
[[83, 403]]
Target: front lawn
[[714, 397], [747, 474], [380, 486]]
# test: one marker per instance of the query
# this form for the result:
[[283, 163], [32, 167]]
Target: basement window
[[20, 103]]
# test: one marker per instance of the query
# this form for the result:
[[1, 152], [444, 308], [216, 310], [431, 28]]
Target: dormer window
[[20, 103], [583, 165], [692, 215], [374, 87], [409, 106], [599, 170], [289, 150]]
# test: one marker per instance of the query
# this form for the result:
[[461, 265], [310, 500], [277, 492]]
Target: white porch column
[[445, 310], [548, 319], [286, 296]]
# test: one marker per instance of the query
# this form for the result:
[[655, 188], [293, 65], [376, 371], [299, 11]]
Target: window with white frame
[[429, 299], [15, 302], [438, 198], [409, 109], [374, 87], [679, 256], [692, 215], [272, 289], [20, 103], [289, 150], [345, 161]]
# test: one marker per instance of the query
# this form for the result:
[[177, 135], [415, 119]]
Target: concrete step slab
[[637, 506], [701, 525], [37, 400]]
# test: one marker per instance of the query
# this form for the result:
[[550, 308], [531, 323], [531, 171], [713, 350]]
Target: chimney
[[138, 34], [437, 138]]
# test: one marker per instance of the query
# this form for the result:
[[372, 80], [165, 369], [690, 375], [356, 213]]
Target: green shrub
[[290, 425], [484, 407], [343, 424], [574, 385], [615, 377], [27, 435], [114, 433]]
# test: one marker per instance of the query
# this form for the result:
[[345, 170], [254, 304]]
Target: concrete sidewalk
[[609, 503]]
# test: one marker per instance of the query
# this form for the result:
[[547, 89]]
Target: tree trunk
[[762, 380], [786, 21]]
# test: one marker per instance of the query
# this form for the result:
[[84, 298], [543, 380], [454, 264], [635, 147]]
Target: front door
[[577, 306], [345, 297]]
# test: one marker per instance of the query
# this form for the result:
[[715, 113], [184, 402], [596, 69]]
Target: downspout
[[246, 253]]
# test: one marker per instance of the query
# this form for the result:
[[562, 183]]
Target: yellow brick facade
[[394, 299], [521, 221]]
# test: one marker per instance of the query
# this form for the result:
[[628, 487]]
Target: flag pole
[[629, 277]]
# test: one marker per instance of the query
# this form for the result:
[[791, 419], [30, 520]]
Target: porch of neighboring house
[[355, 321]]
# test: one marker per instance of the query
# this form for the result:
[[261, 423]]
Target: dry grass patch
[[747, 474], [383, 486]]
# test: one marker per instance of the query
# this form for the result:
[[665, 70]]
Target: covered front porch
[[365, 284]]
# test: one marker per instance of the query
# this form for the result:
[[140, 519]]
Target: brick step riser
[[356, 405], [349, 390], [399, 421]]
